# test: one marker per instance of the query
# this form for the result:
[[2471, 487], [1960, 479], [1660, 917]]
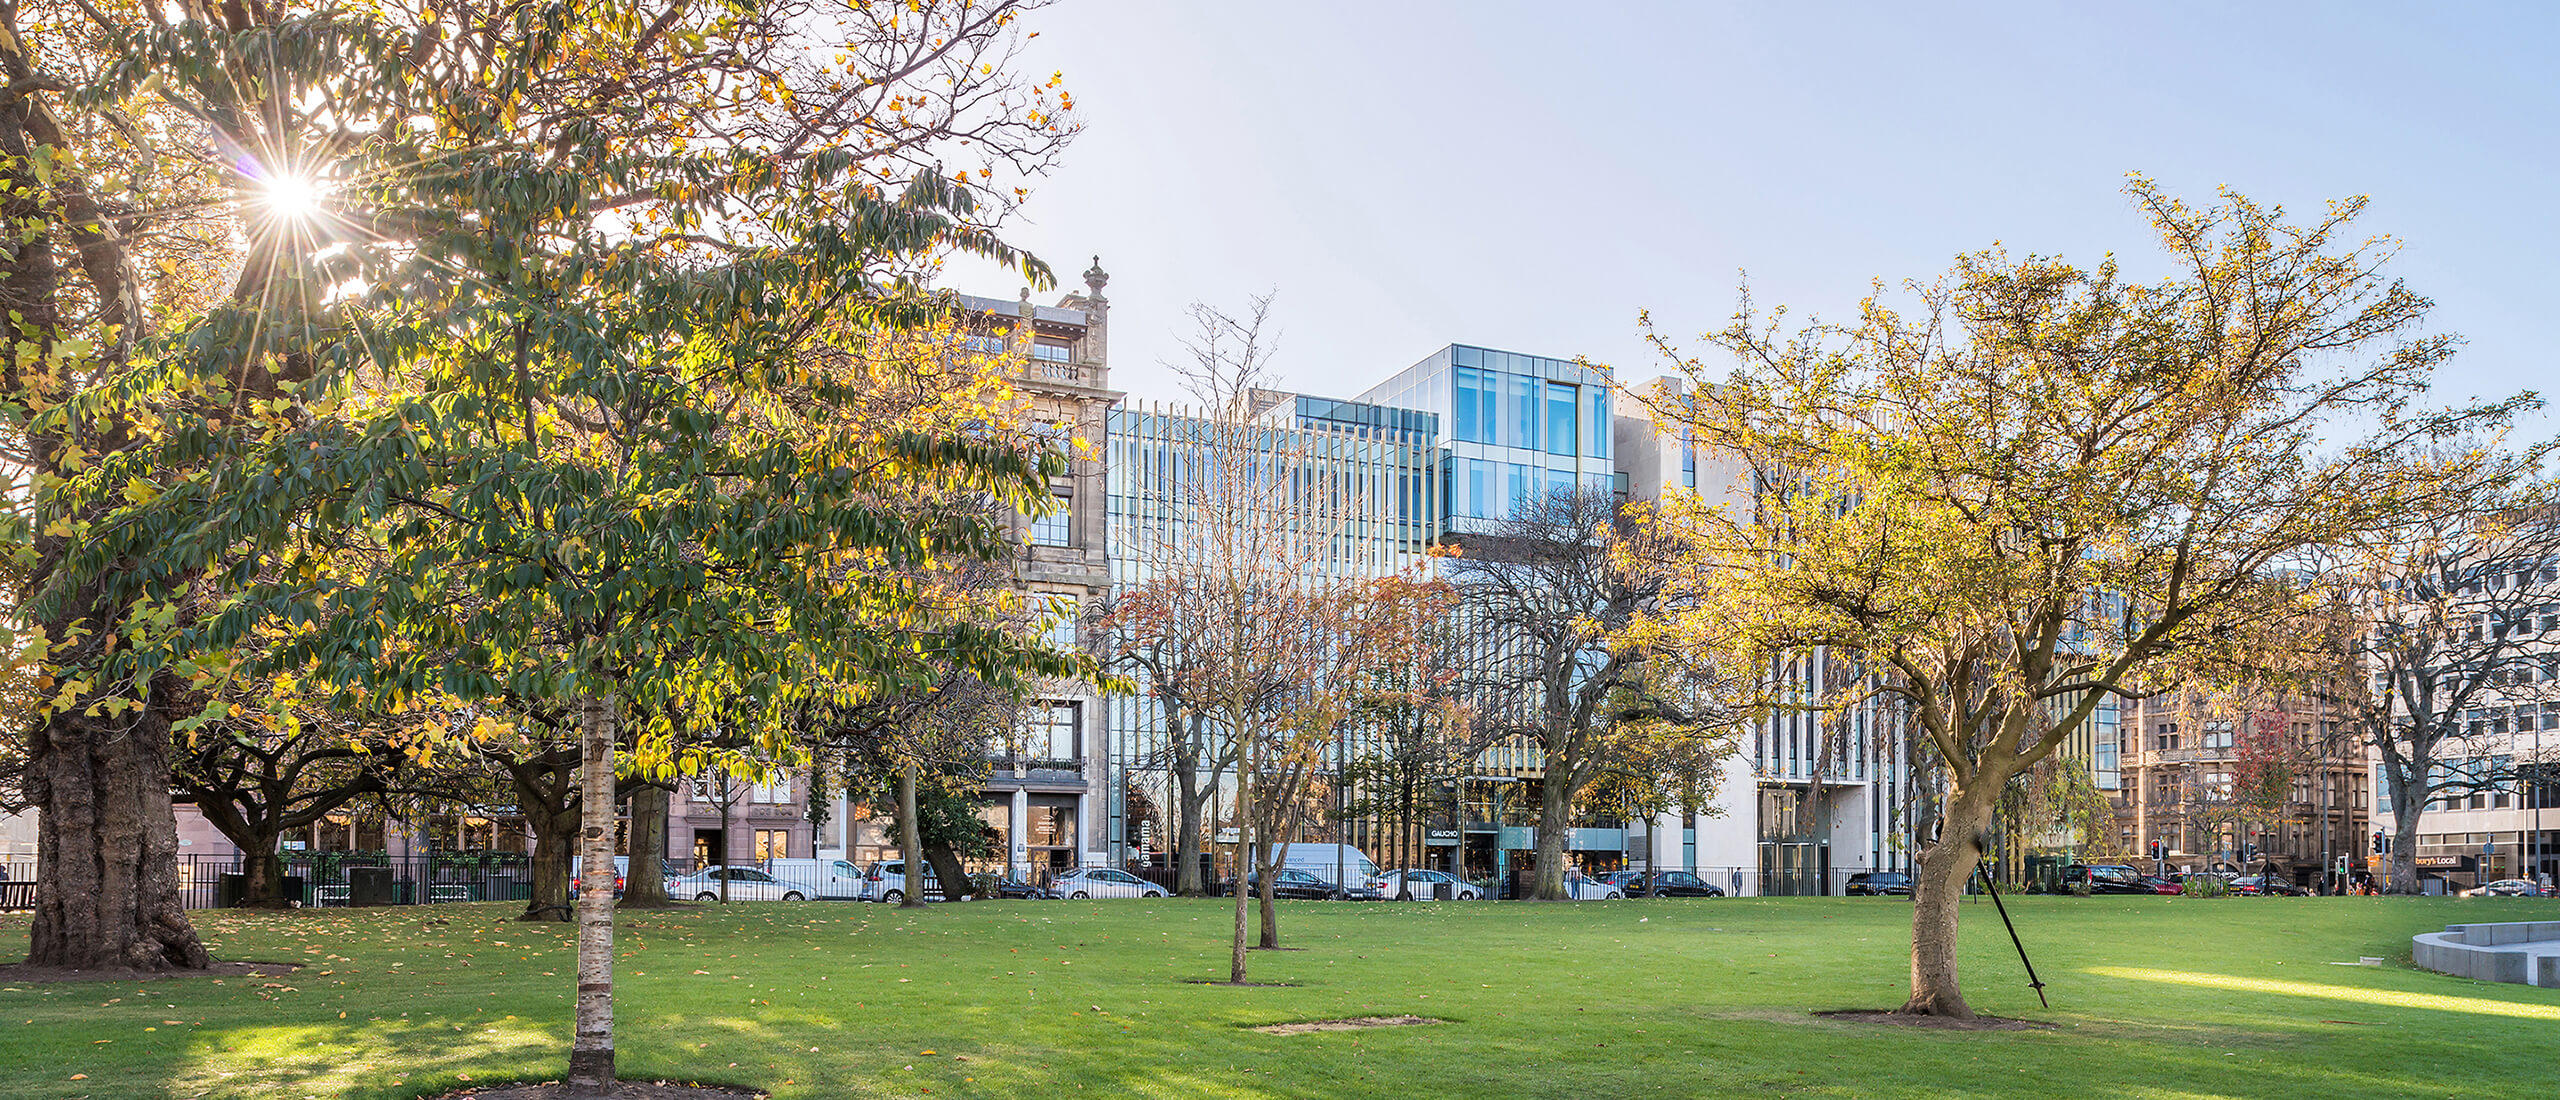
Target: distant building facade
[[2187, 762]]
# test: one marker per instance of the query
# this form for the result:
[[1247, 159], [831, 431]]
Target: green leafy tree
[[570, 343]]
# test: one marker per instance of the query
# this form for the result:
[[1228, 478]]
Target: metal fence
[[327, 879], [17, 884]]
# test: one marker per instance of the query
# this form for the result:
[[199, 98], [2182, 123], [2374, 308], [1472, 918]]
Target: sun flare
[[293, 197]]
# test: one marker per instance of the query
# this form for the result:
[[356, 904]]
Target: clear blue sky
[[1530, 176]]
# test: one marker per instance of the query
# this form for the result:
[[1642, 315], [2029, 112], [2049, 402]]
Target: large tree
[[539, 329], [175, 171], [2455, 625], [264, 773], [2040, 480]]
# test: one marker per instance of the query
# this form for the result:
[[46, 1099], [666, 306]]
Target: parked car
[[2264, 886], [1102, 882], [1016, 888], [836, 879], [1879, 884], [2161, 885], [2508, 888], [1623, 880], [1662, 884], [887, 881], [1291, 882], [621, 865], [2105, 878], [745, 884], [621, 875], [1415, 884], [1340, 863], [1581, 888]]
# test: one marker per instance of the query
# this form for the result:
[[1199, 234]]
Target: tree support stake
[[1984, 868]]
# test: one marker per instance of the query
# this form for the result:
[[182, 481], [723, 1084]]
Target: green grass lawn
[[2153, 997]]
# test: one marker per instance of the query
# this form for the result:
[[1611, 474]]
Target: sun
[[292, 196]]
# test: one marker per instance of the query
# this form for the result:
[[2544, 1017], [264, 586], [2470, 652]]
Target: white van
[[835, 879], [1340, 864]]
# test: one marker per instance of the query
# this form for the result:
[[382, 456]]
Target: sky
[[1535, 177]]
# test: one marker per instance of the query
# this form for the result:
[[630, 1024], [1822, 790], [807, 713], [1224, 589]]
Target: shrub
[[2205, 886]]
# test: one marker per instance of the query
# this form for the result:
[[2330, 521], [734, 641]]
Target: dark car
[[1662, 884], [2265, 886], [2106, 878], [1290, 882], [1879, 884], [1016, 888]]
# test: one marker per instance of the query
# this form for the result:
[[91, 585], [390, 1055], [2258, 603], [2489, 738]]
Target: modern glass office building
[[1364, 479], [1512, 426], [1445, 449]]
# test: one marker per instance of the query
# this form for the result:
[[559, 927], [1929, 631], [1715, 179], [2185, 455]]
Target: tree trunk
[[910, 839], [547, 793], [728, 842], [106, 847], [1268, 862], [591, 1070], [1244, 858], [261, 873], [1935, 892], [1555, 812], [1186, 832], [948, 871], [2404, 845], [646, 888], [555, 840]]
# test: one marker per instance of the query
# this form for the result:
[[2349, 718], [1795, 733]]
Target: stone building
[[2188, 762], [1045, 796]]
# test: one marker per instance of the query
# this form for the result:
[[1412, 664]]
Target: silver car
[[1420, 885], [745, 884], [1103, 882]]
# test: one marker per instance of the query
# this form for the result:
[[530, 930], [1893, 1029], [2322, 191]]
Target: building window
[[773, 844], [1596, 422], [1521, 394], [774, 792], [1688, 460], [1062, 627], [2217, 735], [1051, 827], [1053, 729], [1561, 421], [1052, 353], [1058, 527], [1476, 406]]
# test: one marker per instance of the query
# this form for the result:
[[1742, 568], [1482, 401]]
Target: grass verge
[[2153, 997]]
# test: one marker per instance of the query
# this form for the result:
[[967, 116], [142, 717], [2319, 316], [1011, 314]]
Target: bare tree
[[1244, 566], [1555, 597], [2458, 624]]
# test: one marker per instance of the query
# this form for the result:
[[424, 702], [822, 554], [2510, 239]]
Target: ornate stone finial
[[1094, 277]]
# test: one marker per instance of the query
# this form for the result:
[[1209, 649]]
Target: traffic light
[[2155, 851], [2379, 847]]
